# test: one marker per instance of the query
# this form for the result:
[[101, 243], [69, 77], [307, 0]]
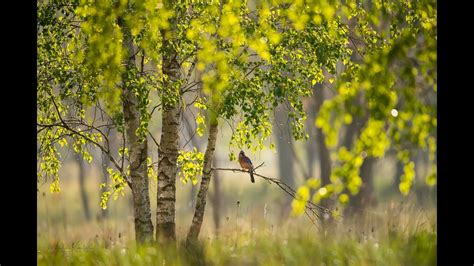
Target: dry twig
[[313, 211]]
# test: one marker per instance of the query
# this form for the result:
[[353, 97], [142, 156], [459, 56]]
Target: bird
[[246, 164]]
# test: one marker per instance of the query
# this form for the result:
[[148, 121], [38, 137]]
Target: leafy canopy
[[239, 60]]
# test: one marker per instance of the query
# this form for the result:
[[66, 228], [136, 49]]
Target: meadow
[[399, 231]]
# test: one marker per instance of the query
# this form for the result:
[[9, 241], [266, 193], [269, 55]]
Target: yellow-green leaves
[[259, 45], [200, 105], [200, 120], [313, 183], [201, 124], [118, 182], [297, 207], [303, 193], [299, 203], [244, 62], [321, 193], [252, 138], [151, 172], [114, 189], [123, 151], [190, 165], [431, 178], [407, 178], [232, 157], [54, 187], [343, 199], [373, 139], [146, 21], [390, 98], [330, 120], [105, 50], [104, 199]]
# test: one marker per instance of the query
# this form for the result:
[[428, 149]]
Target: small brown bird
[[246, 164]]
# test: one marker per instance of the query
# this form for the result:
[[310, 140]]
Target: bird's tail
[[251, 176]]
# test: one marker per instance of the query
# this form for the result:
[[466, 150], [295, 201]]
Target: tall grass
[[396, 234]]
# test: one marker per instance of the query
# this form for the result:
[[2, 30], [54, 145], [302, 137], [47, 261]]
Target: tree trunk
[[216, 203], [365, 198], [137, 154], [284, 145], [168, 150], [311, 145], [354, 127], [310, 150], [351, 130], [324, 158], [205, 181], [167, 169], [84, 198], [365, 195], [284, 141], [397, 178]]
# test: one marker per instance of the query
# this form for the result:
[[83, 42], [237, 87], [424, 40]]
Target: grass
[[416, 249], [251, 233], [391, 235]]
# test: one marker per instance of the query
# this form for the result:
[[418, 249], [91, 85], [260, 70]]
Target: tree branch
[[314, 209], [65, 125], [154, 140]]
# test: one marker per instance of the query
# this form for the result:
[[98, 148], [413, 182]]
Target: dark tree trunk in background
[[310, 151], [421, 171], [284, 146], [205, 181], [82, 186], [311, 145], [348, 140], [324, 157], [366, 198], [397, 177], [350, 133], [282, 133]]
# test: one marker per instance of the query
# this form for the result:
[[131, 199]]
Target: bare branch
[[65, 125], [251, 71], [315, 210], [258, 166], [154, 108], [154, 140]]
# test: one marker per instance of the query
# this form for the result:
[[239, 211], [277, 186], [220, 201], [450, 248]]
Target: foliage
[[239, 61], [388, 87], [191, 165], [81, 75], [117, 186]]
